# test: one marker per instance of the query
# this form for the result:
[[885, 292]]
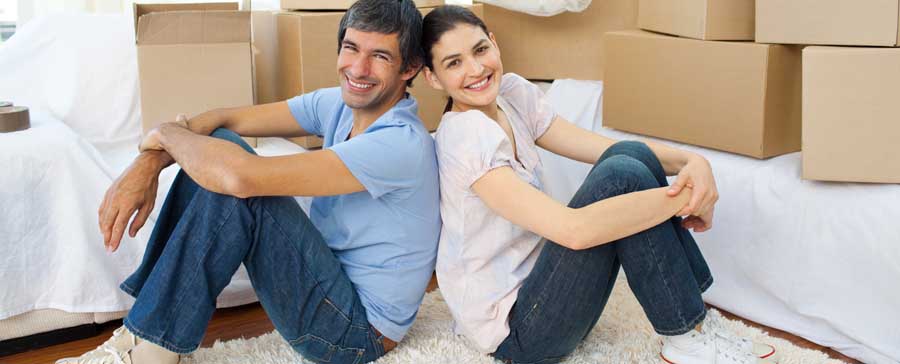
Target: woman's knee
[[625, 173], [225, 134], [631, 148]]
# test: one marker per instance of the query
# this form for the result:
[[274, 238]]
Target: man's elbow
[[237, 181]]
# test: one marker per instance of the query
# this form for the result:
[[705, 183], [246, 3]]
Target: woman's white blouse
[[482, 257]]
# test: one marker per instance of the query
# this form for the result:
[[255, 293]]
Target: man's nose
[[360, 67]]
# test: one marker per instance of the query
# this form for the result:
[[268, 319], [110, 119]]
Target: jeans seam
[[193, 276], [666, 283]]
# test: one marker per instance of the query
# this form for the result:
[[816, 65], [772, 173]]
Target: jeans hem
[[705, 286], [686, 328], [128, 290], [157, 340]]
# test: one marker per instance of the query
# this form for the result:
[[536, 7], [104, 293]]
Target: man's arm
[[223, 167], [135, 190]]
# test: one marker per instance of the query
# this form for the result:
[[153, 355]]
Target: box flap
[[187, 27], [141, 9]]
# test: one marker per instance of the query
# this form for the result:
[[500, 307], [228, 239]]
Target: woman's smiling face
[[467, 66]]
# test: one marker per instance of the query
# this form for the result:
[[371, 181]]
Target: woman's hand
[[697, 174]]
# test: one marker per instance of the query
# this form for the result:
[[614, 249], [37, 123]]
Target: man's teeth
[[480, 84], [359, 85]]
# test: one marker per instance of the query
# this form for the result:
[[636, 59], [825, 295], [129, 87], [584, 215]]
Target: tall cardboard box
[[192, 58], [699, 19], [265, 55], [341, 4], [307, 61], [851, 114], [738, 97], [829, 22], [567, 45]]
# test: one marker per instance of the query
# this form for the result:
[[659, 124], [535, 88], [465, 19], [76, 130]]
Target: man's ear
[[432, 79], [410, 72]]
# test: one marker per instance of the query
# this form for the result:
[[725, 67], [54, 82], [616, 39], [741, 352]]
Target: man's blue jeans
[[562, 298], [200, 240]]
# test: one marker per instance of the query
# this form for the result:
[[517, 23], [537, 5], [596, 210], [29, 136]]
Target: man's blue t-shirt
[[385, 237]]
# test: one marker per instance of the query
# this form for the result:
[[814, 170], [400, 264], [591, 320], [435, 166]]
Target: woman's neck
[[491, 110]]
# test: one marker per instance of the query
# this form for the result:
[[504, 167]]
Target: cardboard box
[[265, 54], [192, 58], [567, 45], [341, 4], [738, 97], [699, 19], [307, 61], [850, 114], [829, 22]]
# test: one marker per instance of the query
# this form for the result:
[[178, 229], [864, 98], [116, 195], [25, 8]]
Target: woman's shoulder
[[471, 122], [468, 133]]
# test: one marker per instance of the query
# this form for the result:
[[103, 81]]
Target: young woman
[[525, 277]]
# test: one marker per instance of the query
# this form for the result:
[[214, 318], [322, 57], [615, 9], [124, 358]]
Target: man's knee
[[225, 134]]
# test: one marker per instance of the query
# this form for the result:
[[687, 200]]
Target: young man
[[342, 285]]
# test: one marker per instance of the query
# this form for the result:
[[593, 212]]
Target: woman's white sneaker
[[706, 348]]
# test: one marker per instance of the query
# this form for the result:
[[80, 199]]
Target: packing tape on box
[[14, 118]]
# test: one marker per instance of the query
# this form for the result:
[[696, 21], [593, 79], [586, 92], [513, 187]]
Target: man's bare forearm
[[213, 163], [203, 124]]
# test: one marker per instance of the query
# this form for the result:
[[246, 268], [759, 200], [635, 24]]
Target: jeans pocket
[[314, 348]]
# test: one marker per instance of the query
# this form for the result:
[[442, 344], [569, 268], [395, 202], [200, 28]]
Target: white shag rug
[[623, 335]]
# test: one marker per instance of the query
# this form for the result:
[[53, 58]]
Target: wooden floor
[[251, 321]]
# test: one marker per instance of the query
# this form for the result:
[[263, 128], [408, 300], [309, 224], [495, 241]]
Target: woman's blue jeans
[[562, 298], [201, 238]]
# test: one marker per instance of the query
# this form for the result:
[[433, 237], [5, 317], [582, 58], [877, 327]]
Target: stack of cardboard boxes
[[726, 74], [851, 83], [296, 52], [707, 83]]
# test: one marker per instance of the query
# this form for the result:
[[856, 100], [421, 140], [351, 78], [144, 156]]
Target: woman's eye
[[453, 63], [481, 50]]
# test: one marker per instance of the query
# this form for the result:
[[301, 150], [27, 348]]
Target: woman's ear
[[432, 79]]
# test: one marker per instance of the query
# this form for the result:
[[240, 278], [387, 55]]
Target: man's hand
[[134, 190], [697, 174], [151, 141]]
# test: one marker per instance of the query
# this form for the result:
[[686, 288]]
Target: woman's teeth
[[480, 84]]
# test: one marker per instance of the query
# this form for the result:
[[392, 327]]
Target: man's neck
[[363, 118]]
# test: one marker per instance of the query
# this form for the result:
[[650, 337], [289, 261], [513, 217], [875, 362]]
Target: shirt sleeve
[[539, 114], [310, 110], [469, 145], [386, 159]]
